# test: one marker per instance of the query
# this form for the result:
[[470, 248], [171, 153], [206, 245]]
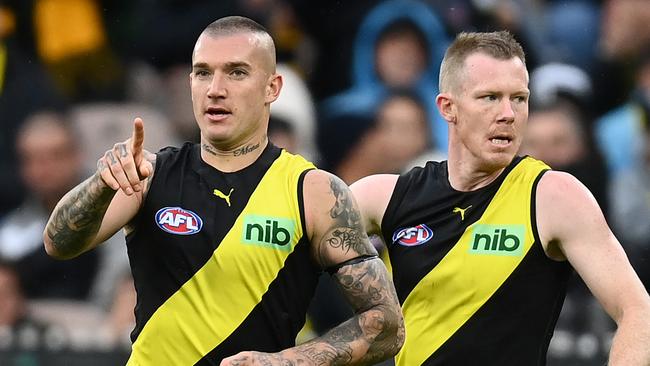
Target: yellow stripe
[[217, 299], [462, 282]]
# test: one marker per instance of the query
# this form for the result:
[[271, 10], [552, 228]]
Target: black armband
[[335, 268]]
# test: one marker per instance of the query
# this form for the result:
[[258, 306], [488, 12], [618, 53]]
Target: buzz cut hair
[[231, 25], [500, 45]]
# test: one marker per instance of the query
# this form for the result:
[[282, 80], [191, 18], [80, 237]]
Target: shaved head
[[234, 25]]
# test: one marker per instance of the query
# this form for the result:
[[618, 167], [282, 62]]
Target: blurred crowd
[[359, 98]]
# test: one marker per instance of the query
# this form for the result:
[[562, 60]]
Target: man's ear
[[273, 88], [446, 107]]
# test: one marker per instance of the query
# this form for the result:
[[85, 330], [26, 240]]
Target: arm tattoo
[[78, 216], [373, 335], [347, 232], [377, 327]]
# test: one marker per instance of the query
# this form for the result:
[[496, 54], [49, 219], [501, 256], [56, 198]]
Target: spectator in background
[[281, 134], [19, 328], [619, 133], [13, 308], [357, 146], [50, 164], [558, 134], [630, 208], [624, 41], [399, 45], [25, 88]]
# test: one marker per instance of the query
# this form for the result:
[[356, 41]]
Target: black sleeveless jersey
[[474, 282], [221, 262]]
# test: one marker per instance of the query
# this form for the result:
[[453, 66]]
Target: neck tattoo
[[246, 149], [238, 152]]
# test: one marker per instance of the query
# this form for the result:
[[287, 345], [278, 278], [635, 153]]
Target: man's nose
[[217, 87], [507, 111]]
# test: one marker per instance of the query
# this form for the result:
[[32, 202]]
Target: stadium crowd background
[[360, 82]]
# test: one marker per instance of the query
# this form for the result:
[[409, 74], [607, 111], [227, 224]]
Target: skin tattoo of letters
[[239, 152]]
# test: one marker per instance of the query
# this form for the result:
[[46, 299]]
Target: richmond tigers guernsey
[[475, 285], [220, 261]]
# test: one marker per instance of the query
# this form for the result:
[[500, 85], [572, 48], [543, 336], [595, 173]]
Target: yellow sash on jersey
[[465, 279], [217, 299]]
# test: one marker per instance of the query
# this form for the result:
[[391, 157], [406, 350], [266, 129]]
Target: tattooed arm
[[98, 207], [339, 241]]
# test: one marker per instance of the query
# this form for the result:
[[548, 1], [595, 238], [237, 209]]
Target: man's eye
[[238, 73]]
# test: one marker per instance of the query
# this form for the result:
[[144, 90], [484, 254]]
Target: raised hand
[[124, 166]]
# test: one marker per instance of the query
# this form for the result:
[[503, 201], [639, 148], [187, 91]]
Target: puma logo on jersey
[[220, 194], [461, 211]]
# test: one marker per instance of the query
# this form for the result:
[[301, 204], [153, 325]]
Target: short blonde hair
[[501, 45]]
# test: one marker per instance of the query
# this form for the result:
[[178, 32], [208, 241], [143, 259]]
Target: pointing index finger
[[137, 139]]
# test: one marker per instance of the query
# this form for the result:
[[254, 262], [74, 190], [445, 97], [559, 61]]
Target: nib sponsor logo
[[498, 240], [272, 232]]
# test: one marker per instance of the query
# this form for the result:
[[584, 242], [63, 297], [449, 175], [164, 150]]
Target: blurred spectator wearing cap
[[399, 44]]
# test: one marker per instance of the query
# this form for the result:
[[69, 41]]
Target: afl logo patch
[[179, 221], [413, 236]]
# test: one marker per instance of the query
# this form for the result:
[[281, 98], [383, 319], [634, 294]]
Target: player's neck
[[232, 159], [469, 174]]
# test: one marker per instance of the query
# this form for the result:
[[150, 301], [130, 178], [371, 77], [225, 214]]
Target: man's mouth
[[500, 141], [217, 111], [217, 114]]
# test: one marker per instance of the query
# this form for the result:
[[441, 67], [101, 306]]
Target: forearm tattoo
[[347, 232], [78, 216], [373, 335], [377, 327]]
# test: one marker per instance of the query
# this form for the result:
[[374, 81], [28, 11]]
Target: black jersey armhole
[[301, 201], [533, 206]]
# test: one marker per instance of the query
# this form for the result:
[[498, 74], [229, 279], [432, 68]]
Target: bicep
[[373, 194], [569, 215], [333, 220]]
